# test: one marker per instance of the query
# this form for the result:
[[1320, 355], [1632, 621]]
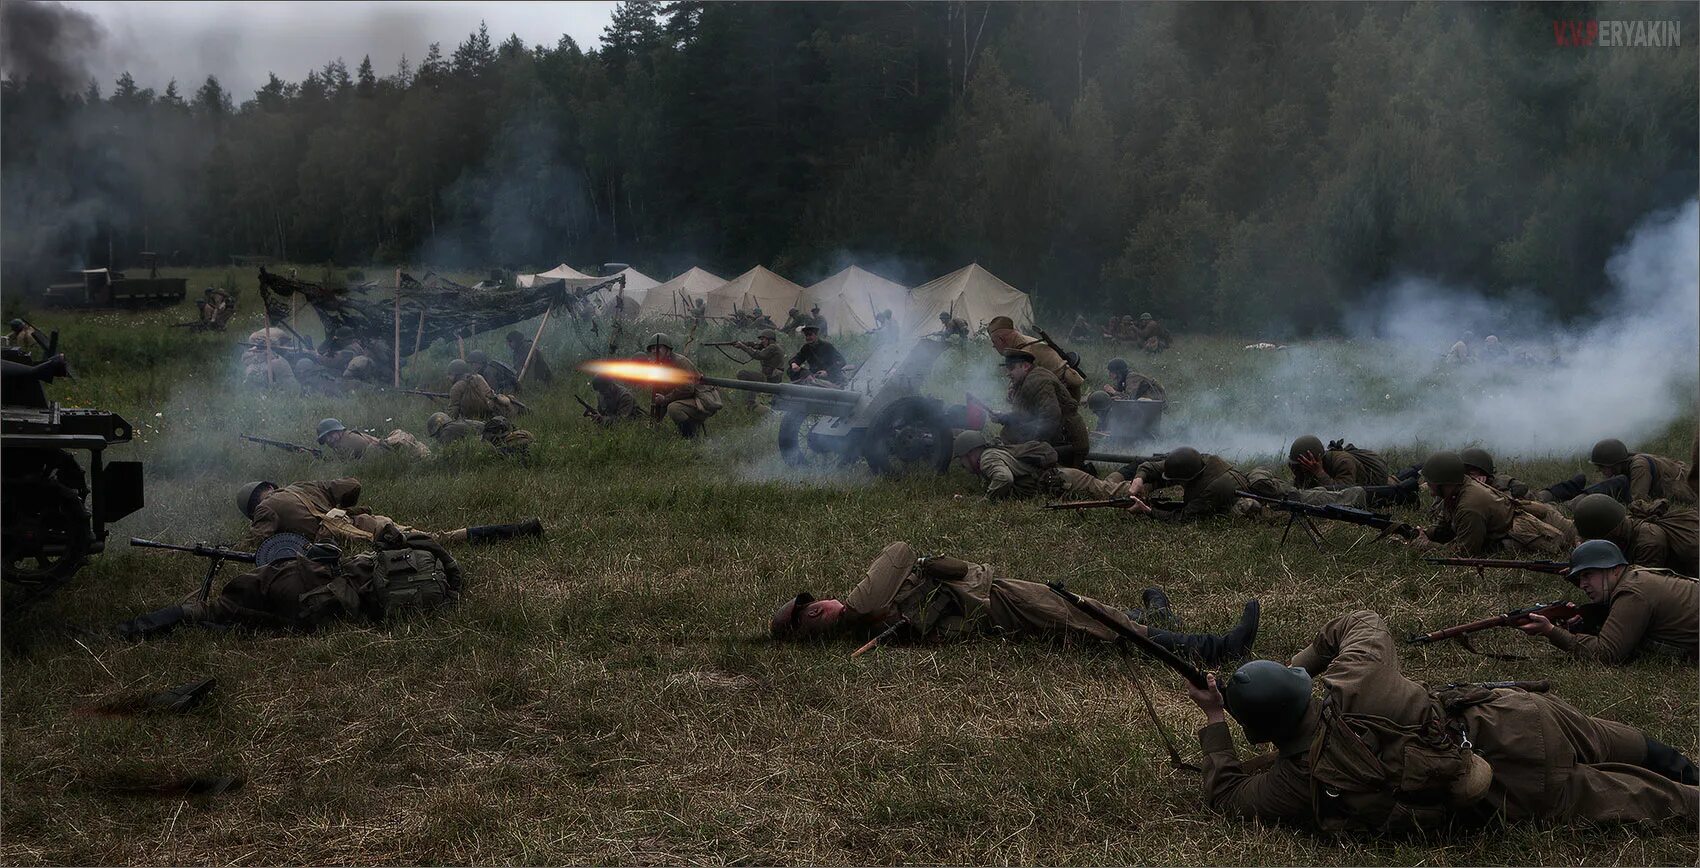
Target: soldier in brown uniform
[[329, 511], [688, 404], [940, 597], [1645, 606], [1342, 465], [1627, 477], [503, 380], [1150, 334], [470, 396], [1478, 465], [614, 403], [1471, 754], [1005, 338], [508, 441], [1125, 383], [441, 428], [1011, 470], [356, 444], [1042, 409], [519, 346], [1654, 533], [27, 336], [1477, 521], [768, 356], [952, 327]]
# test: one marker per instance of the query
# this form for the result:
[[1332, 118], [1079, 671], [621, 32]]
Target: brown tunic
[[472, 398], [1652, 477], [299, 507], [1550, 761], [1647, 605], [1484, 521], [1043, 356], [1344, 467], [1659, 534], [1209, 493], [1015, 470]]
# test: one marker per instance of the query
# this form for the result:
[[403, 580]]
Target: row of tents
[[849, 299]]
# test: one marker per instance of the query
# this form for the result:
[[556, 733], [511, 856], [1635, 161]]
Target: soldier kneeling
[[298, 585]]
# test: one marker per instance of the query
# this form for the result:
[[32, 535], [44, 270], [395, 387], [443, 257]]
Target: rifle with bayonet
[[1556, 568], [1592, 615], [1332, 512], [218, 554], [285, 445]]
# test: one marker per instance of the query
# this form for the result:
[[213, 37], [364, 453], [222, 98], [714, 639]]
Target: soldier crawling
[[329, 511]]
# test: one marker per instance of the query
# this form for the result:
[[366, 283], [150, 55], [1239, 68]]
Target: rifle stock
[[1562, 610], [285, 445], [1556, 568], [1168, 658]]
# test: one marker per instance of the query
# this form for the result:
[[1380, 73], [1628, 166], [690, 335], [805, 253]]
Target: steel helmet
[[1597, 515], [1477, 458], [1609, 452], [247, 496], [436, 422], [1117, 366], [477, 357], [1268, 699], [1444, 468], [1595, 554], [1310, 444], [459, 368], [659, 339], [966, 442], [1183, 464], [327, 427]]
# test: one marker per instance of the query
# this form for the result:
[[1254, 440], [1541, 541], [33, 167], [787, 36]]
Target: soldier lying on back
[[1647, 605], [1655, 533], [1472, 753], [940, 597], [1477, 521]]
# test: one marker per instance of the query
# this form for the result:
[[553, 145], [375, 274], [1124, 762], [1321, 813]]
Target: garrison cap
[[1268, 699], [1597, 515], [1595, 554], [1608, 452]]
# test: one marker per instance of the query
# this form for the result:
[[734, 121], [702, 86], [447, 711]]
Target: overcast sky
[[241, 42]]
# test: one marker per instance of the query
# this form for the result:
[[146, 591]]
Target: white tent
[[970, 293], [850, 299], [757, 287], [563, 271], [633, 295], [675, 294]]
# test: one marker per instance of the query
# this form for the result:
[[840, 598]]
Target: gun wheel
[[47, 537], [796, 441], [909, 435]]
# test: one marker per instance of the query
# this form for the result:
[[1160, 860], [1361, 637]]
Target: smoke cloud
[[1628, 371], [48, 43]]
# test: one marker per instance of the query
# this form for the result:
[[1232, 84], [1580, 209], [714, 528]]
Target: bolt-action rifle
[[285, 445], [1556, 568], [1592, 614], [1117, 503]]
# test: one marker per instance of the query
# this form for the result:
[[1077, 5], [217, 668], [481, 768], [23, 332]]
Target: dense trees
[[1226, 164]]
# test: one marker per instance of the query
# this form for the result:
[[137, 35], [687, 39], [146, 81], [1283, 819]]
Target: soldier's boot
[[1415, 471], [1668, 761], [489, 533], [1392, 495], [1208, 648], [687, 429], [1560, 492], [153, 623], [1157, 611]]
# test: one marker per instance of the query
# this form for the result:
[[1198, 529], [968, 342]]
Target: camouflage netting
[[451, 310]]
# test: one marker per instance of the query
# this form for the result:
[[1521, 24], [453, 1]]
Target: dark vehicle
[[53, 514], [104, 287]]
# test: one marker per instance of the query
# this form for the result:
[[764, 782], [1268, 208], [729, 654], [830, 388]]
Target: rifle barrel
[[1164, 655]]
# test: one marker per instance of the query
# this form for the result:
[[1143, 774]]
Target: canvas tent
[[671, 297], [635, 292], [850, 299], [757, 287], [563, 271], [971, 293]]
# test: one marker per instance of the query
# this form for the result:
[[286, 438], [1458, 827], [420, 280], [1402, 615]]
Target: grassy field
[[606, 695]]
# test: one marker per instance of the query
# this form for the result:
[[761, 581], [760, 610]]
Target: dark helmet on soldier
[[1098, 402], [944, 316], [1444, 468], [477, 357], [1596, 554], [327, 427], [1309, 444], [458, 368], [16, 324], [1183, 464], [659, 339], [248, 496], [1478, 459], [966, 442], [1117, 366], [770, 334], [1268, 699], [435, 422], [1597, 515], [1609, 453], [515, 337], [1145, 317]]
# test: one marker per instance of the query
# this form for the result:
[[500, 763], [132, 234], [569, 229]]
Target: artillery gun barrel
[[1114, 458], [844, 397]]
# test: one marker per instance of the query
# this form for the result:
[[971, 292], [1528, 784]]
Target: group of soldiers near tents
[[1375, 752]]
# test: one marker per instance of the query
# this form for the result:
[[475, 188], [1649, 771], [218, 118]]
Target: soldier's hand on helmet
[[1537, 625], [1208, 700], [1311, 464]]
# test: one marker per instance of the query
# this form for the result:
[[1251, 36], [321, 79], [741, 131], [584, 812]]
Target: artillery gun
[[53, 516]]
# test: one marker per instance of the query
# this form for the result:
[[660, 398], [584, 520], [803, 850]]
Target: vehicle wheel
[[909, 435], [793, 438], [47, 537]]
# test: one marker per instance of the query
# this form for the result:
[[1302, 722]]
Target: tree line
[[1230, 166]]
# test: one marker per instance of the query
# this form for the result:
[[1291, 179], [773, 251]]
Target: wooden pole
[[460, 344], [520, 377], [396, 343], [418, 334]]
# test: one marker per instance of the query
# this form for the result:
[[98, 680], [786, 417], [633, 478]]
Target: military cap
[[1183, 464], [1609, 452], [1596, 554], [659, 339], [1000, 322], [785, 621], [515, 337], [327, 427], [966, 442], [1478, 459], [279, 546], [1309, 444], [248, 494], [459, 368], [1444, 468], [1268, 699], [1016, 357], [1597, 515], [1117, 365], [811, 327]]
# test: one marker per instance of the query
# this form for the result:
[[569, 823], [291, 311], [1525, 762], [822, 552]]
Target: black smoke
[[48, 43]]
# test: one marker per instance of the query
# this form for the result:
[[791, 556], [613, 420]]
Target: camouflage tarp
[[450, 309]]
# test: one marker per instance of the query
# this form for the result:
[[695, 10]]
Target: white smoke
[[1628, 371]]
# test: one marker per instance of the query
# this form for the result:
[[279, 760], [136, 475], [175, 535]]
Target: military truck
[[105, 287]]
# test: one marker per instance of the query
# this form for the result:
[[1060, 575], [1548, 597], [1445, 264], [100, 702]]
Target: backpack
[[1374, 465], [1373, 774], [404, 582]]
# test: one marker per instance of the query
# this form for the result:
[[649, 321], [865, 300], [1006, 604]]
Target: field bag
[[1372, 774], [406, 582]]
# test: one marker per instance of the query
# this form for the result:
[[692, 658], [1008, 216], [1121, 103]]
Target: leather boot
[[1210, 649], [1667, 761], [153, 623], [1158, 611], [488, 533]]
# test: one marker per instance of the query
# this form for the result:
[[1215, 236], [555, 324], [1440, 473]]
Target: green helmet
[[1098, 402], [1596, 554], [1597, 515], [1116, 366], [1145, 317], [1478, 459], [1444, 468], [327, 427], [1268, 699], [477, 357], [770, 334], [1310, 444], [459, 368], [248, 495], [436, 422], [659, 339], [1183, 464], [967, 442], [1609, 452]]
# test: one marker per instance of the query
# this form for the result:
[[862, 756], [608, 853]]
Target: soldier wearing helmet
[[1478, 465], [1341, 465], [1646, 607], [519, 347], [1654, 533], [1477, 521], [502, 379], [470, 395], [794, 320], [952, 327], [687, 404], [329, 511], [1379, 753], [614, 403], [1626, 476], [347, 443], [441, 428], [941, 597], [1150, 334], [1128, 384]]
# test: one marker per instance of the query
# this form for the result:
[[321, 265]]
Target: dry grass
[[603, 696]]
